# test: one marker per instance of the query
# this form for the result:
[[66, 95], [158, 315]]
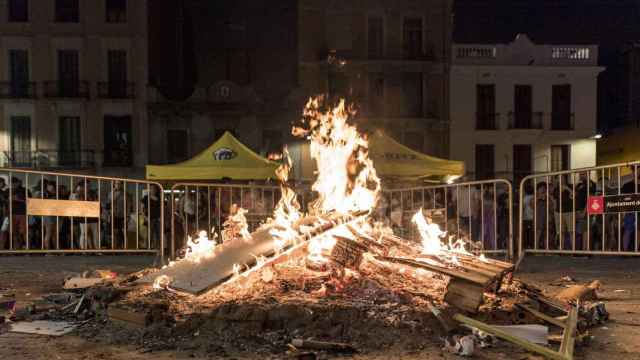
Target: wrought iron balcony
[[487, 121], [48, 159], [562, 121], [526, 120], [66, 89], [18, 90], [116, 90]]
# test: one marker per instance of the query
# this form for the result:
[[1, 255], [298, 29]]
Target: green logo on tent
[[224, 154]]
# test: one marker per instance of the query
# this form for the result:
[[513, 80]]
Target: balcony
[[50, 159], [487, 121], [116, 90], [17, 90], [525, 120], [562, 121], [65, 89]]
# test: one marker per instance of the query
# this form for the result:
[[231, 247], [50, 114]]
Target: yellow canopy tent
[[226, 158], [390, 158]]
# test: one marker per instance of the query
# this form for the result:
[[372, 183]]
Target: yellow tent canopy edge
[[227, 157]]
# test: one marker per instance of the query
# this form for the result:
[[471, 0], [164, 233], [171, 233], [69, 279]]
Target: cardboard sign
[[613, 204], [51, 207]]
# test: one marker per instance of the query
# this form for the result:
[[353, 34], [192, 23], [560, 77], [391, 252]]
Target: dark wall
[[250, 42]]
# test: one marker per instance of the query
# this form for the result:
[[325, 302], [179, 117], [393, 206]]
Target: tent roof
[[392, 159], [225, 158]]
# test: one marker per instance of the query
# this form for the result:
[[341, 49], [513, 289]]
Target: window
[[522, 103], [375, 31], [68, 73], [414, 140], [238, 66], [67, 11], [339, 35], [486, 107], [116, 11], [522, 161], [117, 140], [18, 10], [485, 161], [19, 72], [69, 141], [117, 73], [412, 38], [561, 107], [412, 95], [376, 94], [560, 159], [20, 141], [339, 85], [177, 145]]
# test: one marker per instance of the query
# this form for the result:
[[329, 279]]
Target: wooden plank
[[569, 335], [52, 207], [81, 283], [550, 319], [464, 295], [539, 349], [472, 277]]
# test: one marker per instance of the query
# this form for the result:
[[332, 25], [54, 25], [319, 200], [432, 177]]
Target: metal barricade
[[199, 206], [554, 217], [478, 211], [54, 212]]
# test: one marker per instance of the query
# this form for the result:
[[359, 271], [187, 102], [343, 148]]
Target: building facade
[[220, 66], [72, 85], [522, 108], [389, 58]]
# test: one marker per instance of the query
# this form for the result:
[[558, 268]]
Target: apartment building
[[521, 107], [389, 58], [72, 85]]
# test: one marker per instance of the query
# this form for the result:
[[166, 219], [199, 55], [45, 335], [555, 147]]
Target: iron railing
[[116, 90], [487, 121], [526, 120], [18, 90], [51, 159], [562, 121], [66, 89]]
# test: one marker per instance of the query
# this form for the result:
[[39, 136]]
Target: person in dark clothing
[[584, 188], [629, 221], [152, 208], [563, 214], [18, 212]]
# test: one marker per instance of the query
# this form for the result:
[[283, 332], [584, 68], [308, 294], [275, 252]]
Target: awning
[[390, 158], [226, 158]]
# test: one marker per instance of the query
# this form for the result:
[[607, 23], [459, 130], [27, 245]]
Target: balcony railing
[[525, 120], [47, 159], [116, 90], [66, 89], [562, 121], [17, 90], [487, 121]]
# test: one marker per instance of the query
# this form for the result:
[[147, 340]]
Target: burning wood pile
[[334, 272]]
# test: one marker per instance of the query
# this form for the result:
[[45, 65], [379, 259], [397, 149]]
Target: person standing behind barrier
[[49, 222], [543, 204], [527, 216], [4, 215], [151, 205], [489, 220], [117, 200], [629, 221], [19, 212], [468, 210], [584, 188], [187, 212], [563, 214]]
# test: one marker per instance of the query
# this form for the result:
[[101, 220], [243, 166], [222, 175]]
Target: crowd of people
[[124, 220], [555, 214]]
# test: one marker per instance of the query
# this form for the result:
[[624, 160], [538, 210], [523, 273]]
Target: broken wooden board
[[464, 295], [218, 266], [472, 277], [41, 327], [215, 268], [81, 283]]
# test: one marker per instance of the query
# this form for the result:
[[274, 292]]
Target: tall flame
[[346, 179], [430, 234], [287, 211]]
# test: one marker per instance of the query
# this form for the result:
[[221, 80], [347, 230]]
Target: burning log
[[214, 268], [347, 252]]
